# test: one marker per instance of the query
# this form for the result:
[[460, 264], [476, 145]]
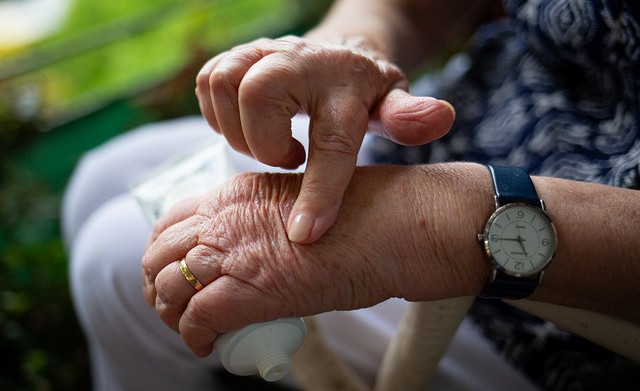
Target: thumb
[[411, 120]]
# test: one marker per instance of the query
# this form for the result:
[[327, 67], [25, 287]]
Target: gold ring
[[189, 276]]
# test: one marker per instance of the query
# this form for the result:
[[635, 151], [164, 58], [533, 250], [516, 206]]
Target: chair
[[422, 338]]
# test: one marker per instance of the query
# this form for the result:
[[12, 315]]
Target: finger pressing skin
[[336, 136]]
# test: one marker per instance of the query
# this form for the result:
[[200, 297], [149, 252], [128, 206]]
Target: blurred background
[[73, 74]]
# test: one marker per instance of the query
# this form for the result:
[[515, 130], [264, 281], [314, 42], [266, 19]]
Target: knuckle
[[266, 83], [257, 43], [165, 310], [163, 298], [336, 143], [147, 268], [198, 313], [221, 81], [202, 82], [290, 38], [295, 44], [256, 90], [165, 307]]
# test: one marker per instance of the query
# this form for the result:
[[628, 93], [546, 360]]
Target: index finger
[[335, 139]]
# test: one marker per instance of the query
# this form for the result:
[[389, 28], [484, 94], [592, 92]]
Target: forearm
[[596, 266], [401, 232], [405, 32]]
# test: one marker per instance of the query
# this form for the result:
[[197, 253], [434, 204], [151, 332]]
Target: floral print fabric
[[555, 89]]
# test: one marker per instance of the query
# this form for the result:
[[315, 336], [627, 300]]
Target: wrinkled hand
[[250, 93], [235, 243], [392, 238]]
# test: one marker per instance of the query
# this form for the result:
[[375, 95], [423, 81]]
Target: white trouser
[[132, 349]]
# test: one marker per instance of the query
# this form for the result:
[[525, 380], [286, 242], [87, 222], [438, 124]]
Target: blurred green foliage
[[111, 66], [113, 48]]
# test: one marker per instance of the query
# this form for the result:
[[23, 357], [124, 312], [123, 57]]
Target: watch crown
[[480, 238]]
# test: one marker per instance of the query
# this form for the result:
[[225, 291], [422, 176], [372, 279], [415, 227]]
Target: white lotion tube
[[261, 348]]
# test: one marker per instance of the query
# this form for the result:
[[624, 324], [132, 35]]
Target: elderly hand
[[383, 245], [250, 93]]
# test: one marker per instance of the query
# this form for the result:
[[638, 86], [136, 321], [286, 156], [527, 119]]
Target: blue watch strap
[[513, 184], [504, 286]]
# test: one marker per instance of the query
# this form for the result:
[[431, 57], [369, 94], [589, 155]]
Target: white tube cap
[[261, 348]]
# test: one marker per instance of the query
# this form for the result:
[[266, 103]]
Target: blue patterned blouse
[[555, 89]]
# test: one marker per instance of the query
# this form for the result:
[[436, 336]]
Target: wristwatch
[[519, 239]]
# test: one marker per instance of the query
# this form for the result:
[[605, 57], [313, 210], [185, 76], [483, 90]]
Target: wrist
[[414, 228], [372, 33], [449, 207]]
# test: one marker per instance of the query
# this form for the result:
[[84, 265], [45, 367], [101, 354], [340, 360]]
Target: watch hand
[[520, 240]]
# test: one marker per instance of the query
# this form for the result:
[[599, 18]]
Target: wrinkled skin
[[249, 94], [239, 242], [235, 243]]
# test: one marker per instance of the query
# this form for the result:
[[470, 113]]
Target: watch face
[[519, 239]]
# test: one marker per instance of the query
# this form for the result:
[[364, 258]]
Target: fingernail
[[449, 105], [300, 228]]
